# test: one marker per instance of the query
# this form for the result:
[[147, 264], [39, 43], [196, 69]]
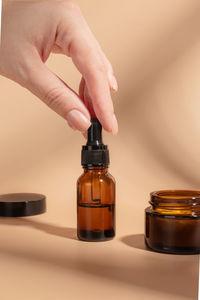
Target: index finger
[[80, 44]]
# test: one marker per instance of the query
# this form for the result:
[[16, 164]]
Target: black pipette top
[[95, 153]]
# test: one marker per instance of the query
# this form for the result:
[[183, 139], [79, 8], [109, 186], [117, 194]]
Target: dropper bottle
[[95, 190]]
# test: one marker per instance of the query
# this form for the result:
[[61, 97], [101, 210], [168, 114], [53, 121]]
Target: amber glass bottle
[[95, 190], [173, 222]]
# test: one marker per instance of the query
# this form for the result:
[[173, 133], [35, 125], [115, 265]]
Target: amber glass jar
[[173, 222], [95, 204]]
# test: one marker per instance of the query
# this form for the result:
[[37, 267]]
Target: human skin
[[30, 32]]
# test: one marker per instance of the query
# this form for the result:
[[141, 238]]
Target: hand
[[30, 32]]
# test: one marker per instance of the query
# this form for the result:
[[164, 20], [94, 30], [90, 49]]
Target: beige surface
[[155, 49]]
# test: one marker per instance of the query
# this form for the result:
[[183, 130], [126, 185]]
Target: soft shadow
[[135, 241], [64, 232], [161, 273], [147, 270]]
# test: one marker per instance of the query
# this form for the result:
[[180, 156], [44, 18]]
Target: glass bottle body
[[95, 205], [172, 222]]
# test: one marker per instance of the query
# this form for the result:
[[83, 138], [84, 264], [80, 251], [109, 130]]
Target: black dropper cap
[[95, 153]]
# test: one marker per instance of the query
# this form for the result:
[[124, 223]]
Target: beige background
[[154, 47]]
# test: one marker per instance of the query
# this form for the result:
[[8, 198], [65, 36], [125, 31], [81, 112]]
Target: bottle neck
[[96, 169], [176, 202]]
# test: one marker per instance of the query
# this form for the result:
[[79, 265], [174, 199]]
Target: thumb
[[58, 96]]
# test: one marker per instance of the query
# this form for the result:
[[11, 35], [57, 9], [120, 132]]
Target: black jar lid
[[22, 204]]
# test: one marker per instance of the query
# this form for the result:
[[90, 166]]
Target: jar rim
[[178, 196]]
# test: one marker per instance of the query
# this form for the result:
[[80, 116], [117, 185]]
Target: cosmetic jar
[[172, 222]]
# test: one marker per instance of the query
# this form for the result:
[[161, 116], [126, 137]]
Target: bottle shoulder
[[82, 177], [89, 176], [111, 177]]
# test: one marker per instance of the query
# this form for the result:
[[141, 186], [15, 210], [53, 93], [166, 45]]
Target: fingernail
[[114, 125], [77, 120], [114, 85], [70, 125]]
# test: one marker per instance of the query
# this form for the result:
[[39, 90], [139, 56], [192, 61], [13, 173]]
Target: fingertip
[[114, 125], [84, 134], [110, 124], [77, 120], [112, 82], [71, 125], [114, 85]]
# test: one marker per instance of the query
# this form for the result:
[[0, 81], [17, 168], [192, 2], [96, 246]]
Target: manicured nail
[[114, 125], [77, 120], [114, 85], [71, 125]]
